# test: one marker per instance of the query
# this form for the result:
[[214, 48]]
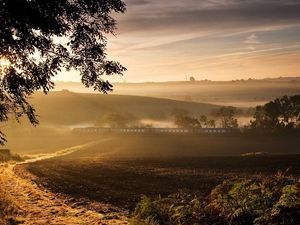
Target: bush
[[147, 213], [260, 201], [274, 200], [177, 209]]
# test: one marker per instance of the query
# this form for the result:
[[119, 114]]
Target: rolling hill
[[241, 93], [69, 108], [61, 111]]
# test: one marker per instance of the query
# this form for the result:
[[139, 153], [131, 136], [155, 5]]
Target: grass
[[8, 210]]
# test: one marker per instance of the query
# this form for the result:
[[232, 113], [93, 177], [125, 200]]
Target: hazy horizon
[[187, 79]]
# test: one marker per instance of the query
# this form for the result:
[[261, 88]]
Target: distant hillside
[[60, 111], [239, 92], [68, 108]]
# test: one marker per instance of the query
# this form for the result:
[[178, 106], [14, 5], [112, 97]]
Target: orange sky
[[210, 39]]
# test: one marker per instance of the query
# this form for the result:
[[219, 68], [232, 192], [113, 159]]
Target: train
[[102, 130]]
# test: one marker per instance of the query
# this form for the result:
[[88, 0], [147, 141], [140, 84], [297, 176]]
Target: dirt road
[[39, 206]]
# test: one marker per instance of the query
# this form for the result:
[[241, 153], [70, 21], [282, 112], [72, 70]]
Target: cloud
[[148, 24], [252, 39], [168, 38], [193, 15]]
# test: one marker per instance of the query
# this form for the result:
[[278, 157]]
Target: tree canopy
[[282, 113], [227, 115], [38, 38]]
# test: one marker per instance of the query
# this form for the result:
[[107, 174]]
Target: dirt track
[[40, 206]]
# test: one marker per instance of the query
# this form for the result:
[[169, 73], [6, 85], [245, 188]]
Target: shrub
[[259, 201], [146, 213], [273, 200]]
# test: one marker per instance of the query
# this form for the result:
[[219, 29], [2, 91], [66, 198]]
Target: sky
[[162, 40]]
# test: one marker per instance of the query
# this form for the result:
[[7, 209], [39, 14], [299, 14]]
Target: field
[[242, 93], [69, 108], [170, 145], [119, 172], [60, 112], [122, 182], [105, 175]]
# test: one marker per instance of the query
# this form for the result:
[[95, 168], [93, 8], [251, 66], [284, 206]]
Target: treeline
[[225, 115], [281, 114]]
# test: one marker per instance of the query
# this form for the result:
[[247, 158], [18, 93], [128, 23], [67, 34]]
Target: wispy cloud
[[191, 15], [252, 39], [173, 37]]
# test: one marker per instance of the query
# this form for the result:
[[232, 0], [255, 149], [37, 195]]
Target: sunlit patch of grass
[[8, 210]]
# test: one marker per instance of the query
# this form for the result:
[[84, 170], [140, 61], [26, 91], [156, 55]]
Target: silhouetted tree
[[203, 119], [227, 114], [187, 122], [183, 119], [38, 38], [208, 123], [192, 79], [211, 123], [282, 113]]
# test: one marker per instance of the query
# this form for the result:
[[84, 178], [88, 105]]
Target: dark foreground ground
[[122, 182], [120, 169]]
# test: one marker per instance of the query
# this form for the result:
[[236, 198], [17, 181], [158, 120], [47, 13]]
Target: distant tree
[[208, 123], [184, 120], [260, 118], [227, 115], [38, 38], [192, 79], [282, 113], [211, 124], [203, 119], [187, 122]]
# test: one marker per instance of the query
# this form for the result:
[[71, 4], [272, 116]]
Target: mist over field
[[240, 93], [111, 170], [139, 112]]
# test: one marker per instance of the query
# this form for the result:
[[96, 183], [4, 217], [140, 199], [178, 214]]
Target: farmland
[[116, 173], [122, 182]]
